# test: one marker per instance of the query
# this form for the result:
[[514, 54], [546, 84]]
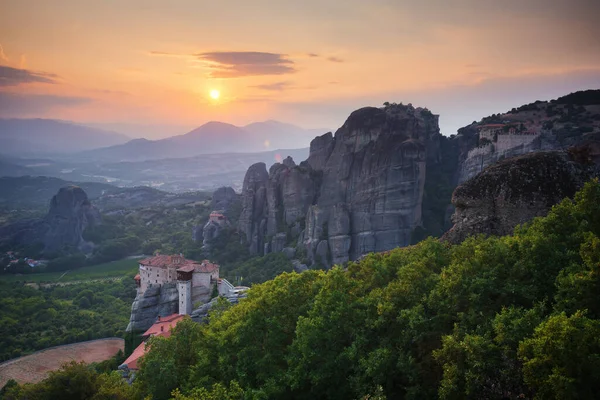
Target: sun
[[214, 94]]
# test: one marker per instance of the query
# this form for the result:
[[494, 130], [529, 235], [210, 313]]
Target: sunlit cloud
[[233, 64], [274, 87], [15, 76], [335, 59]]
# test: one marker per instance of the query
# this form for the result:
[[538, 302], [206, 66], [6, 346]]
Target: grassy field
[[107, 270]]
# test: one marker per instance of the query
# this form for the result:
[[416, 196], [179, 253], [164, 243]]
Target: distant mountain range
[[210, 138], [80, 143], [27, 137]]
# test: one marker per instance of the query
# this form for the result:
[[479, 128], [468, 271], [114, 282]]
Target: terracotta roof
[[137, 277], [132, 360], [206, 266], [161, 328], [166, 261], [187, 268]]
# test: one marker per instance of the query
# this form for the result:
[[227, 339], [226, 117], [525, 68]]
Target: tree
[[562, 359]]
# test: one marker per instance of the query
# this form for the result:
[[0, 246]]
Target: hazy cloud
[[18, 104], [335, 59], [233, 64], [313, 55], [166, 54], [14, 76], [275, 87]]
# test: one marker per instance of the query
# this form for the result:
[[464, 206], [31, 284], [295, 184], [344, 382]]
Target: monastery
[[196, 281]]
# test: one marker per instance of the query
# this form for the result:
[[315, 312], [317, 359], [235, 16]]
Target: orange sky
[[308, 62]]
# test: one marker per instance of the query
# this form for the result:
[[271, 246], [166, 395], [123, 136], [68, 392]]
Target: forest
[[513, 317], [33, 319]]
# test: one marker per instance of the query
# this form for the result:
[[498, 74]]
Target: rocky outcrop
[[201, 313], [515, 191], [223, 198], [70, 213], [359, 191], [157, 300]]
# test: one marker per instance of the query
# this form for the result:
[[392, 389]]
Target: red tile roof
[[161, 328], [187, 268], [206, 266], [132, 360], [137, 277]]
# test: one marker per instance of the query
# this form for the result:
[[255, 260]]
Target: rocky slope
[[517, 190], [359, 191]]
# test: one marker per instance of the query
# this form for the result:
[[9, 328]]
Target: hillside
[[45, 136]]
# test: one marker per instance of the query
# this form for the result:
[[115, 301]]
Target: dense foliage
[[33, 319], [491, 318]]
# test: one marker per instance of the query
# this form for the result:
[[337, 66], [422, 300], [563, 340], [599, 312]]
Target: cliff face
[[515, 191], [157, 300], [359, 191]]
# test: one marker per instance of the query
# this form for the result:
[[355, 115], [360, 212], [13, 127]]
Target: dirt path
[[35, 367]]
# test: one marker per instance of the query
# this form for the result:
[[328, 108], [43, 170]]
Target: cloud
[[166, 54], [313, 55], [234, 64], [25, 105], [14, 76], [275, 87], [335, 59]]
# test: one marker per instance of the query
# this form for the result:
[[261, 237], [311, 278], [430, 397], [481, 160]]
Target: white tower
[[184, 289]]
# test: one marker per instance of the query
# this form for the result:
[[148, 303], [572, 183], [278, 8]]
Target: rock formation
[[223, 198], [359, 191], [70, 213], [386, 177], [157, 300], [515, 191]]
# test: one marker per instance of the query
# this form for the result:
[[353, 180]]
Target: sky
[[149, 66]]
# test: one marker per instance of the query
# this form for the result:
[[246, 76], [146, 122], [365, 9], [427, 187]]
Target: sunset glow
[[309, 65]]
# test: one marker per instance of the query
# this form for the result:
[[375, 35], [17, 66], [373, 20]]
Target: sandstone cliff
[[359, 191], [515, 191]]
